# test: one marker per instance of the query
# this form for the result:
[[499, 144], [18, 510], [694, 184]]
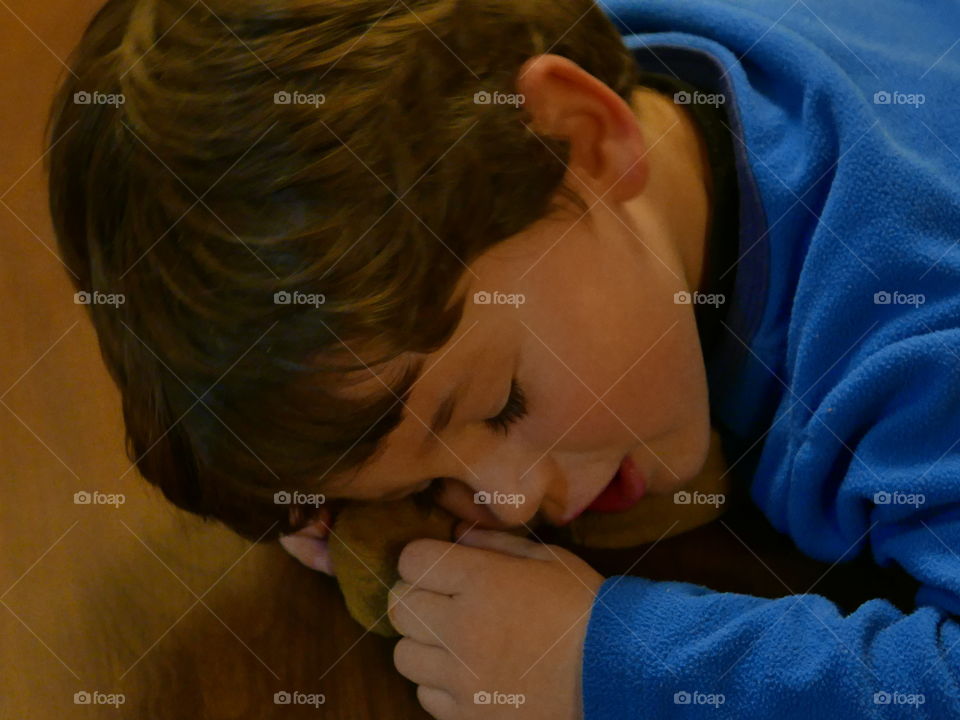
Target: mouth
[[624, 490]]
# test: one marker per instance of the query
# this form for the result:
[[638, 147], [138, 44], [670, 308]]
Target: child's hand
[[490, 622]]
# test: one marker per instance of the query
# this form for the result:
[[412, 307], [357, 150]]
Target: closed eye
[[514, 410]]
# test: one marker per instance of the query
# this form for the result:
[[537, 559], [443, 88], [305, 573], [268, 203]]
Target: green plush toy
[[367, 537]]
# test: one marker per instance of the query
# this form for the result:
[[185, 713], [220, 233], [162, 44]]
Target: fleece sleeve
[[872, 466]]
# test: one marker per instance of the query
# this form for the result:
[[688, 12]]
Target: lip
[[631, 488]]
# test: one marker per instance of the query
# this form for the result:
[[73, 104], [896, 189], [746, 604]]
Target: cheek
[[671, 378], [670, 384], [668, 379], [649, 376], [608, 326]]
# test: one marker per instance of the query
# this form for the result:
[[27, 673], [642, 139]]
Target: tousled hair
[[205, 157]]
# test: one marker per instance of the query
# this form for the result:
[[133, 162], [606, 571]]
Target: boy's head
[[306, 204]]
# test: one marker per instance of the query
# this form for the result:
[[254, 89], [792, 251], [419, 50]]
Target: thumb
[[498, 541]]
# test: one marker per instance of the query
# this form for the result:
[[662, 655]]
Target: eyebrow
[[442, 416], [438, 422]]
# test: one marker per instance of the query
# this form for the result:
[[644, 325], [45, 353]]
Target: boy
[[452, 248]]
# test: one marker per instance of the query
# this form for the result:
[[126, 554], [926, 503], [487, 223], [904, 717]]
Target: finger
[[423, 664], [501, 542], [418, 614], [452, 569], [434, 565], [463, 526], [439, 703]]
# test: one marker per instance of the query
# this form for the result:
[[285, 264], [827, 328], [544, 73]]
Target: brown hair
[[201, 190]]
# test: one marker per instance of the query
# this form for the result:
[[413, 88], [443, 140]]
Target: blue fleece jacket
[[837, 376]]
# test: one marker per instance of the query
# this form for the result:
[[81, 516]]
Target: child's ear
[[607, 143]]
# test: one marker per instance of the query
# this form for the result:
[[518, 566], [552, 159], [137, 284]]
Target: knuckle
[[403, 655], [407, 561], [436, 706], [423, 697], [413, 556]]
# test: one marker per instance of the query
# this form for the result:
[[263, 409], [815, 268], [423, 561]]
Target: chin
[[686, 463]]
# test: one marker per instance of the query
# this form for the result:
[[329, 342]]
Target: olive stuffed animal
[[366, 537]]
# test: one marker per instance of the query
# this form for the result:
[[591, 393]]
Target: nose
[[510, 509], [499, 509], [490, 509]]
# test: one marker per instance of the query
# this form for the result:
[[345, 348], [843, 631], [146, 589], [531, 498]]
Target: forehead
[[374, 379]]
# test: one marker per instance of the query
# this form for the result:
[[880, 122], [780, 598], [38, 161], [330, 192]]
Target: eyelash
[[513, 411]]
